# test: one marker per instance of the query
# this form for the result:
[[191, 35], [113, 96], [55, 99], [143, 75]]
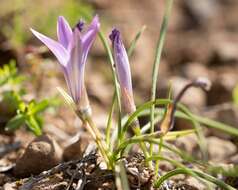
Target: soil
[[201, 41]]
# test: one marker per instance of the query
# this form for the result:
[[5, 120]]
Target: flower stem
[[100, 142], [95, 133], [117, 90]]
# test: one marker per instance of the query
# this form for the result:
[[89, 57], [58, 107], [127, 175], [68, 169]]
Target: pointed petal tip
[[32, 30], [62, 21], [64, 31], [36, 34], [95, 21], [61, 18], [56, 48]]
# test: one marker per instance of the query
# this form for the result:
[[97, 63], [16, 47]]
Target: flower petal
[[75, 67], [64, 32], [121, 61], [90, 35], [123, 71], [57, 49]]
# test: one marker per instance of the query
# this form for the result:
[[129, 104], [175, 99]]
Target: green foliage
[[12, 95], [24, 14], [9, 74], [11, 86], [29, 114]]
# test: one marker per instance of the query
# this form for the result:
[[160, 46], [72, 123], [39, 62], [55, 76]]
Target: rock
[[9, 186], [222, 87], [182, 124], [226, 113], [195, 70], [41, 154], [4, 178], [201, 11], [194, 97], [225, 50], [219, 150], [191, 181], [76, 150], [218, 94], [234, 159], [187, 143]]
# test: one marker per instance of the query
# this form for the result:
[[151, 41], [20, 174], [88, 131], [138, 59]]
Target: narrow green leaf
[[109, 122], [22, 106], [160, 44], [16, 122], [33, 125], [39, 107], [182, 113], [208, 122], [141, 108], [134, 41], [152, 139], [202, 175]]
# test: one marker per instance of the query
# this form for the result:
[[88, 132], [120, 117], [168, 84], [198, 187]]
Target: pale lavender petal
[[90, 35], [123, 72], [64, 32], [57, 49], [75, 67], [121, 61], [72, 51]]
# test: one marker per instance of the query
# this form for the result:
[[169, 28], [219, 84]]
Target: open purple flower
[[123, 71], [71, 50]]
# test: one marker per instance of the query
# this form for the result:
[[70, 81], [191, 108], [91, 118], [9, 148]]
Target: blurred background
[[202, 40]]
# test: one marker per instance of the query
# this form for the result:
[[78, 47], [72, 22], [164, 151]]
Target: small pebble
[[41, 154]]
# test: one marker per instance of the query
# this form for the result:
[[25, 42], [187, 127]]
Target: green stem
[[100, 142], [137, 131], [134, 41], [110, 57], [157, 161], [159, 49], [109, 124]]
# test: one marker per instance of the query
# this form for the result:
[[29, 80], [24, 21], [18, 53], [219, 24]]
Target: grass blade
[[183, 113], [159, 49], [134, 41], [109, 123], [209, 122], [207, 177], [151, 138]]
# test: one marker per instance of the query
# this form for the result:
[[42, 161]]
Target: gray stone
[[41, 154]]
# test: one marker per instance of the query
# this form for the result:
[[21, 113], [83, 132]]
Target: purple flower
[[71, 51], [123, 71]]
